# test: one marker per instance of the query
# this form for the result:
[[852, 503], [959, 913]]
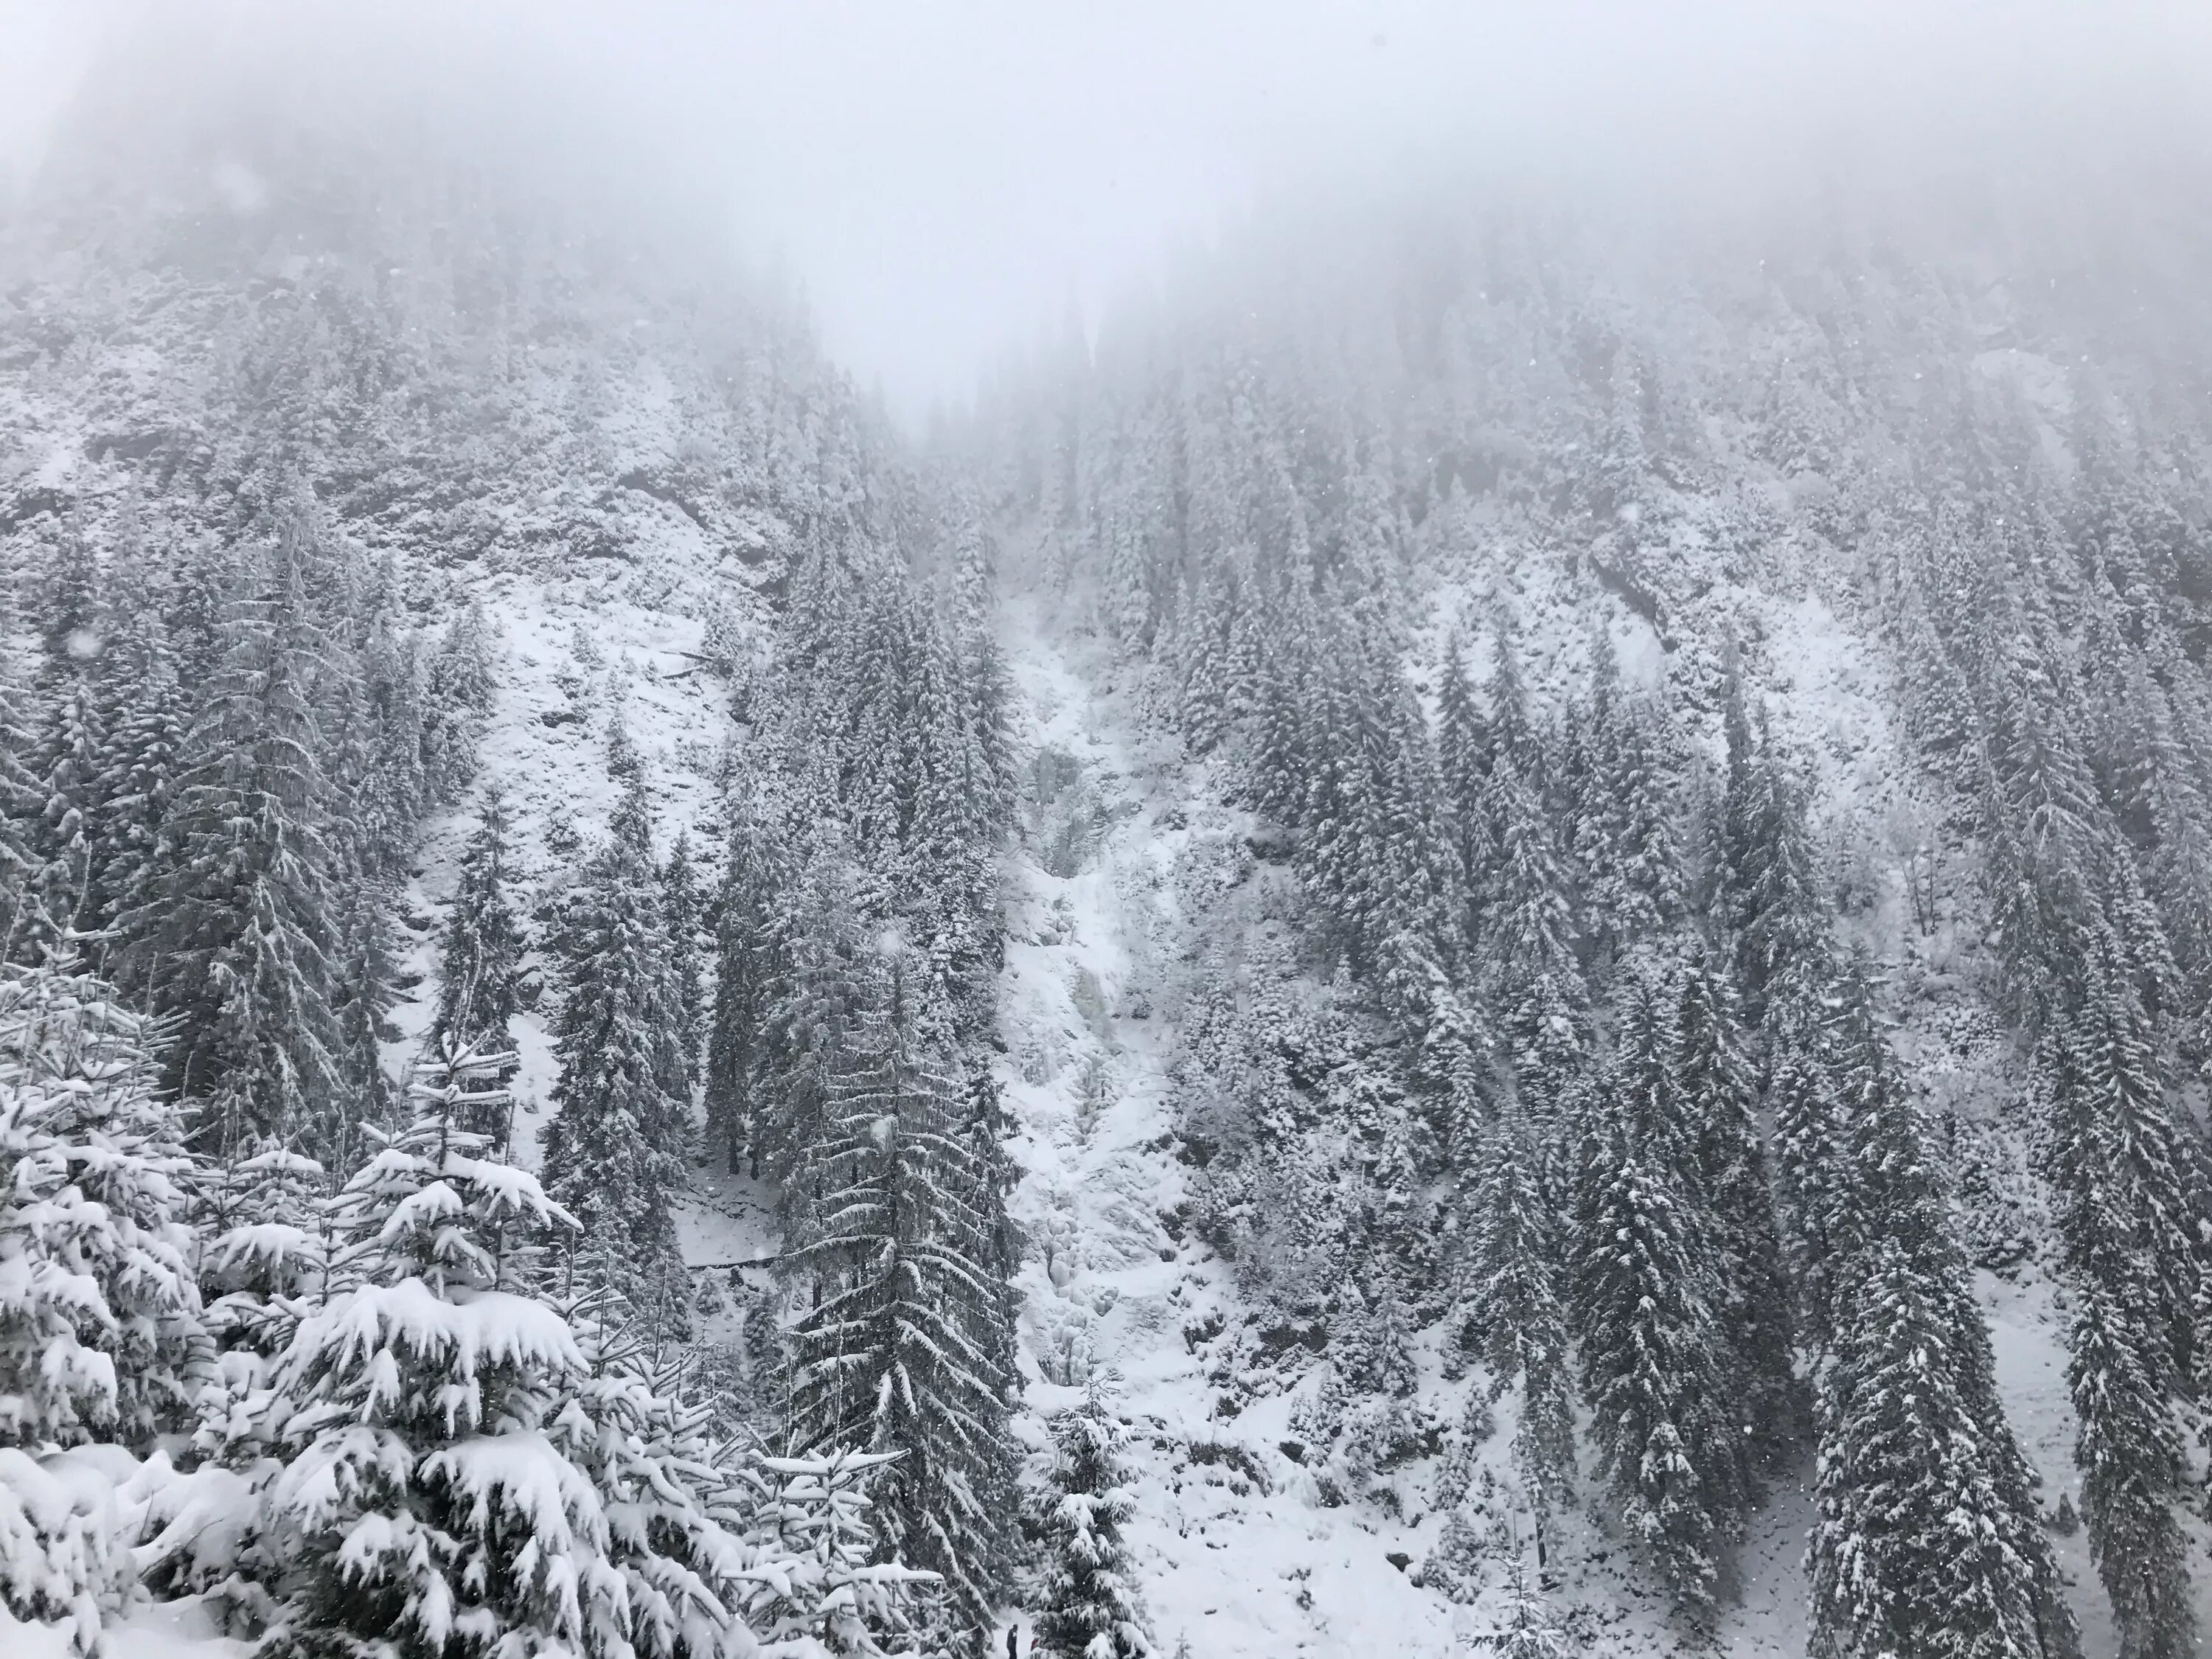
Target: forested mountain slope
[[1716, 961], [446, 624], [1505, 912]]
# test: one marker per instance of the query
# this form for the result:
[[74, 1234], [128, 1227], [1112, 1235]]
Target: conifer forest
[[1481, 926]]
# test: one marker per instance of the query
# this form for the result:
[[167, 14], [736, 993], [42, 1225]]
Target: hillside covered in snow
[[1495, 934]]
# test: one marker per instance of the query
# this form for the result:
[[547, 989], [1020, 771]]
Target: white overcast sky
[[946, 177]]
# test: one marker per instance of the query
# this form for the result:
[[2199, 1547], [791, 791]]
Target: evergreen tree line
[[849, 1040], [1635, 1068], [842, 1056], [2063, 703], [215, 762], [403, 1413]]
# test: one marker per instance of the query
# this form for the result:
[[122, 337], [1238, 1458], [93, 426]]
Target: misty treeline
[[1562, 1022], [385, 1376]]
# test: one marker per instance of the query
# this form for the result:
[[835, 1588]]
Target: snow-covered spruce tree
[[1647, 1280], [2133, 1464], [1777, 913], [1375, 847], [100, 1327], [896, 1350], [373, 714], [1651, 1369], [1913, 1549], [1804, 1080], [480, 959], [614, 1148], [143, 716], [813, 1012], [810, 1518], [625, 763], [1463, 767], [1526, 964], [460, 1478], [101, 1337], [457, 695], [1928, 1539], [1720, 1099], [1513, 733], [236, 936], [2069, 774], [2121, 1368], [1620, 795], [266, 1239], [25, 926], [1089, 1608], [1513, 1290], [264, 1256], [1529, 1630], [364, 968], [2102, 1066], [752, 968], [683, 915], [73, 818]]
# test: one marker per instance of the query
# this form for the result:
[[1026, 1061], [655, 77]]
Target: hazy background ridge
[[946, 182]]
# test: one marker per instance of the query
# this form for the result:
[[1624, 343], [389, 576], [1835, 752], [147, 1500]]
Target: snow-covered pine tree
[[1737, 819], [683, 917], [2103, 1065], [613, 1150], [266, 1240], [1513, 1290], [1928, 1539], [73, 820], [236, 937], [812, 1519], [480, 958], [101, 1337], [68, 610], [813, 1012], [624, 761], [1527, 968], [752, 969], [1529, 1630], [1091, 1607], [143, 716], [101, 1330], [375, 723], [1779, 916], [1720, 1099], [25, 926], [2121, 1369], [1513, 732], [677, 1501], [362, 989], [2130, 1454], [457, 688], [1463, 767], [265, 1257], [1651, 1366], [1912, 1549], [896, 1350], [1655, 1357], [1621, 797], [1805, 1078], [458, 1478], [985, 678]]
